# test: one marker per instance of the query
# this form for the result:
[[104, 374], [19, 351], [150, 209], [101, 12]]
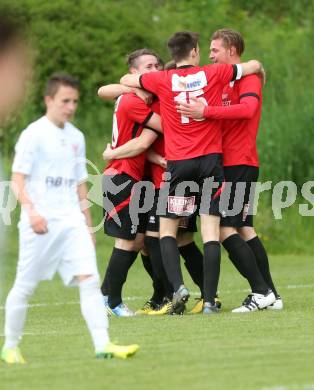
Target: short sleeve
[[25, 151], [150, 81], [224, 72], [250, 86]]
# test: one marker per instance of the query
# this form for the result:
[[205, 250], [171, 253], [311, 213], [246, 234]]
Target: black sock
[[211, 266], [153, 246], [105, 284], [171, 261], [119, 264], [147, 265], [262, 261], [158, 290], [243, 256], [193, 258]]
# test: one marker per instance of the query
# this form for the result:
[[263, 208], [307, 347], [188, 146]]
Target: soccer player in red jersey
[[241, 111], [130, 116], [193, 153]]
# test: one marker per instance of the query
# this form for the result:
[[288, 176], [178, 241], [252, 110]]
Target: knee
[[24, 289]]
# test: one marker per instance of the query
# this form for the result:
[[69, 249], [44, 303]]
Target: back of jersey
[[186, 138]]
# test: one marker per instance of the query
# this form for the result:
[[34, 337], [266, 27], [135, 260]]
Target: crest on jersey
[[75, 148]]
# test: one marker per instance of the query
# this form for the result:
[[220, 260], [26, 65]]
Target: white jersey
[[53, 160]]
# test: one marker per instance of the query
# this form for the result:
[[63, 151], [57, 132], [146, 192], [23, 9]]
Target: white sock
[[93, 311], [15, 313]]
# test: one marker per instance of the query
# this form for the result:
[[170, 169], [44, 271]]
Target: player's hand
[[144, 95], [194, 110], [162, 162], [38, 223], [107, 153], [92, 234], [262, 75]]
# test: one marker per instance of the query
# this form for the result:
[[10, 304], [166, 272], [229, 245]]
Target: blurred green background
[[90, 39]]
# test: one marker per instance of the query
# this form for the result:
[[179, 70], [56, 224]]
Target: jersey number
[[185, 98], [115, 130]]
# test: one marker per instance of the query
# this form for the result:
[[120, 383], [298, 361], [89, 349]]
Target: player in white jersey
[[49, 175]]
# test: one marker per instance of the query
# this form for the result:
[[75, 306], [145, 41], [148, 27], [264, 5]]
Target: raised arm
[[112, 91]]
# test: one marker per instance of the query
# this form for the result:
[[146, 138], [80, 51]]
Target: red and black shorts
[[117, 194], [195, 186], [238, 195]]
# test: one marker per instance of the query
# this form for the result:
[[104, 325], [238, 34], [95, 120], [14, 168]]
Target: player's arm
[[112, 91], [131, 80], [84, 204], [37, 222], [197, 109], [131, 148]]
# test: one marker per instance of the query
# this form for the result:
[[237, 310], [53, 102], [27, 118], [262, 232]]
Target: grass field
[[258, 351]]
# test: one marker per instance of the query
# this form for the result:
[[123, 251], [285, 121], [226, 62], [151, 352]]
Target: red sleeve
[[151, 81], [244, 110], [224, 72], [249, 95], [135, 109]]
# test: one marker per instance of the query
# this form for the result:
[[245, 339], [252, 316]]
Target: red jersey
[[130, 116], [156, 171], [239, 135], [187, 138]]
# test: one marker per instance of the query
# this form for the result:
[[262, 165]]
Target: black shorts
[[195, 185], [238, 201], [117, 193], [187, 224]]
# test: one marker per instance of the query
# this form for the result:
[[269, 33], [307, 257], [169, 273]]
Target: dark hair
[[230, 38], [181, 44], [11, 32], [58, 79], [131, 58], [170, 65]]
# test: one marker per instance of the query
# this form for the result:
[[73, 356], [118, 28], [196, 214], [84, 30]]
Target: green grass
[[264, 350]]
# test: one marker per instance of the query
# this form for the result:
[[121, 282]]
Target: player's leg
[[118, 224], [92, 310], [152, 244], [239, 251], [243, 258], [193, 257], [79, 267], [37, 261], [249, 235], [15, 315], [122, 258], [212, 257]]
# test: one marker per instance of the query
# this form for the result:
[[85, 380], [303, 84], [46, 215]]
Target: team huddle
[[184, 133]]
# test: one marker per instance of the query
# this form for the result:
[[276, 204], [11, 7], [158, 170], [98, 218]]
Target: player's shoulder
[[34, 129], [251, 78], [74, 131], [130, 100]]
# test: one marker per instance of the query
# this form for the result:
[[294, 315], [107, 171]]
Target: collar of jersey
[[185, 66]]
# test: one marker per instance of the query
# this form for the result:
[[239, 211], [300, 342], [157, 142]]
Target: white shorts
[[66, 248]]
